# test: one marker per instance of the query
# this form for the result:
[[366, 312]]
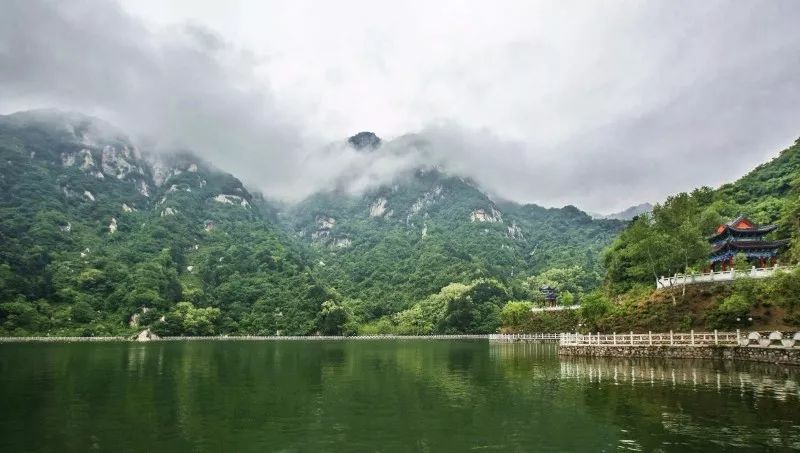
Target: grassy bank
[[745, 304]]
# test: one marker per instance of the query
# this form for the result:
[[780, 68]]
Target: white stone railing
[[555, 308], [512, 337], [652, 339], [692, 338], [721, 276]]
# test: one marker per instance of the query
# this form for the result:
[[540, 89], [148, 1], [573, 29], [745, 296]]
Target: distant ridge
[[627, 214]]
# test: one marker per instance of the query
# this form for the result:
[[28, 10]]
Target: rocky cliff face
[[104, 180]]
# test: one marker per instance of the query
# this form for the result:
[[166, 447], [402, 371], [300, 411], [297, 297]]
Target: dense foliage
[[97, 239], [673, 238], [92, 244], [395, 245]]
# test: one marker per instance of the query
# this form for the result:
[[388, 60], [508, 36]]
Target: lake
[[400, 395]]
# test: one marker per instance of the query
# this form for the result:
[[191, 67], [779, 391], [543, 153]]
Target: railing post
[[671, 342], [590, 338], [737, 338], [631, 338], [614, 338], [650, 337], [716, 339], [691, 336]]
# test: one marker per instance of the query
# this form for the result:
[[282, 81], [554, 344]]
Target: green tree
[[515, 313], [594, 307], [332, 318], [82, 312]]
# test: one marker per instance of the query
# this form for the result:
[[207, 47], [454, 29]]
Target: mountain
[[627, 214], [402, 241], [364, 140], [96, 237]]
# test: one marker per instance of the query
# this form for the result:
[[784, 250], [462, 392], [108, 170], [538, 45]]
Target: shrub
[[82, 312], [514, 313]]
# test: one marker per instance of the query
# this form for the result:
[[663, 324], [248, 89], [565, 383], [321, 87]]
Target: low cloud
[[174, 88], [545, 103]]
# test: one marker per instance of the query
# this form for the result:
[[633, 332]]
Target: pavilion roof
[[749, 245], [741, 224]]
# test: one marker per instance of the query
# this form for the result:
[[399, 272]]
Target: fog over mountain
[[595, 105]]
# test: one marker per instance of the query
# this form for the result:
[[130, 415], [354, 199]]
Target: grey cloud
[[178, 88], [600, 105]]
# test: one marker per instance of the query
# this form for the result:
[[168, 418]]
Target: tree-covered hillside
[[673, 238], [98, 239], [95, 239], [401, 242]]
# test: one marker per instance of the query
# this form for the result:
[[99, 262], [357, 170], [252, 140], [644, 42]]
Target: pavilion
[[741, 235]]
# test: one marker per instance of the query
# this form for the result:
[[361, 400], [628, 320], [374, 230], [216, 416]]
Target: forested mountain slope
[[673, 238], [92, 235], [400, 242], [98, 238]]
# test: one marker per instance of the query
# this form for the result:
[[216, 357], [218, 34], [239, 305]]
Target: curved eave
[[730, 229], [753, 245]]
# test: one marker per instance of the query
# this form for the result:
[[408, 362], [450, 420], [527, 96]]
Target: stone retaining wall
[[782, 356]]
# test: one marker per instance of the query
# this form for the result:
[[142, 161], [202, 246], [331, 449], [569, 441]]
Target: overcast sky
[[597, 104]]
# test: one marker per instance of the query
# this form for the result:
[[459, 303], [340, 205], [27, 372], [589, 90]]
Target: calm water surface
[[383, 396]]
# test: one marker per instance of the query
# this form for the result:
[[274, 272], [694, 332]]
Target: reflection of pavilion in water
[[760, 379]]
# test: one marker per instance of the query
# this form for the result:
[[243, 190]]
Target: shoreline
[[774, 355], [777, 356], [239, 338]]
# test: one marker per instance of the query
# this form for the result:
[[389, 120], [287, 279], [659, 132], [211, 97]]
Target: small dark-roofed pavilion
[[550, 296]]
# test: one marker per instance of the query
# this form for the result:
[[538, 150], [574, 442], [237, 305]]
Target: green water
[[382, 396]]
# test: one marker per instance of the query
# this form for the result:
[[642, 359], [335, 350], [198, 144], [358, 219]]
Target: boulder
[[146, 335]]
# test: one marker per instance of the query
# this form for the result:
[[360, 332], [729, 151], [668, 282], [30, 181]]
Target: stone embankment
[[784, 356]]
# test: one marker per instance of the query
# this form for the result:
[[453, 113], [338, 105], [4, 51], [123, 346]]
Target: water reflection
[[667, 405], [763, 380], [383, 396]]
